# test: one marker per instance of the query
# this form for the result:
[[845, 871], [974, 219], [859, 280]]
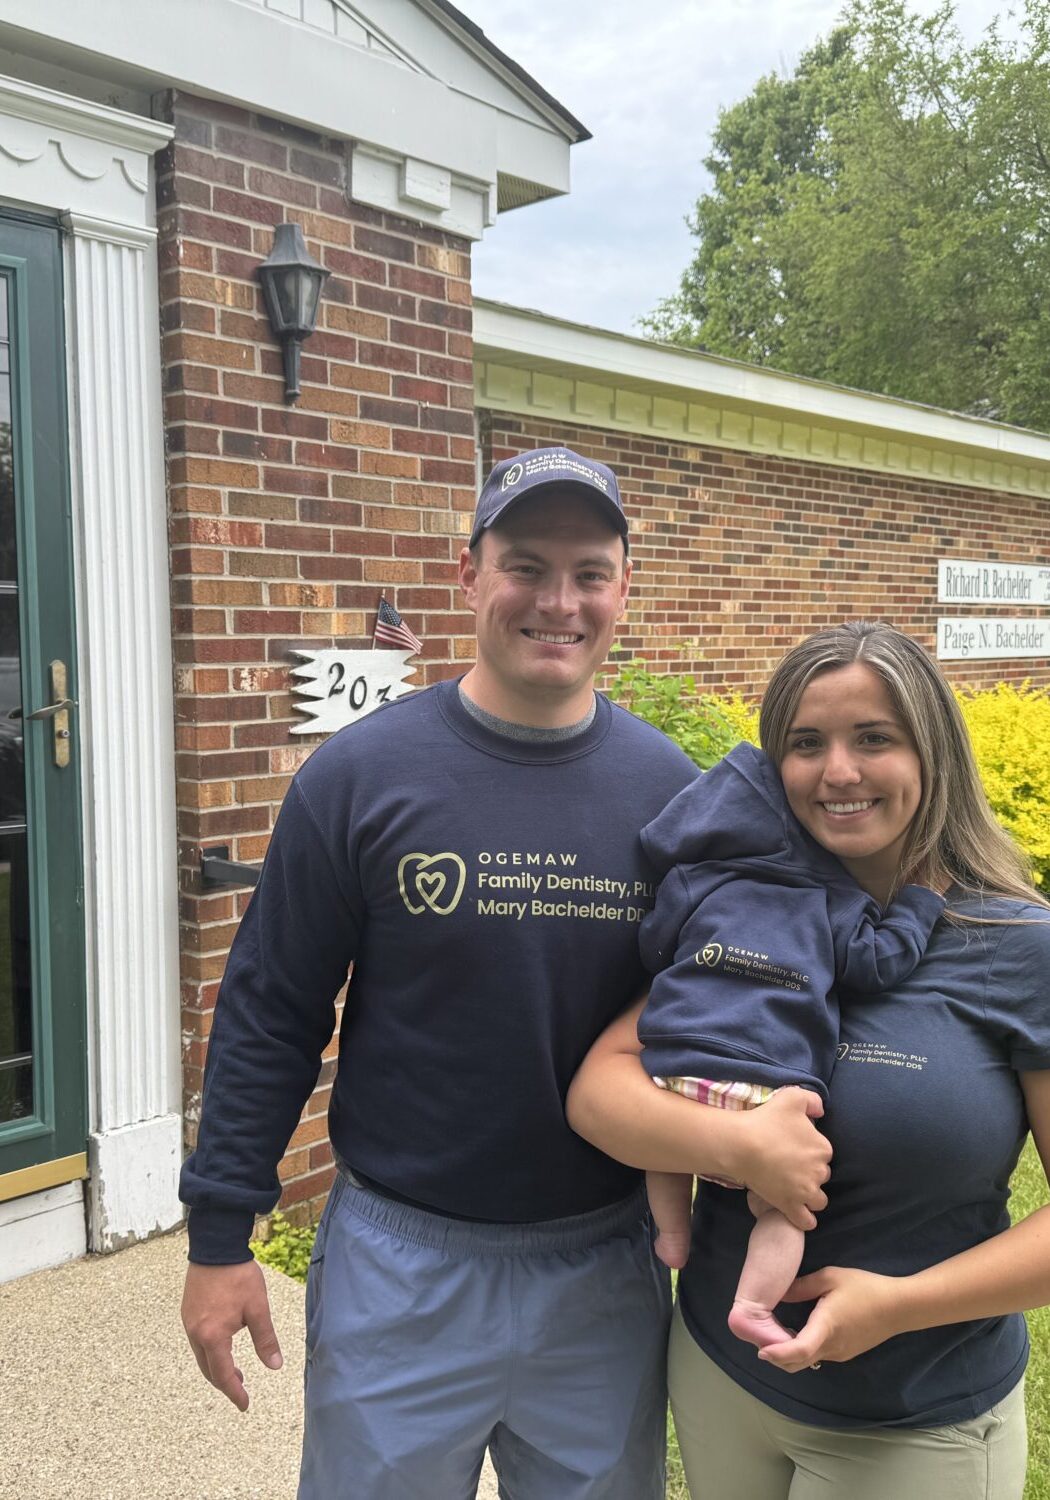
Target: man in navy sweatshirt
[[482, 1277]]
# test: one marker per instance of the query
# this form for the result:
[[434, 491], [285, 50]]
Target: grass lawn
[[1029, 1191]]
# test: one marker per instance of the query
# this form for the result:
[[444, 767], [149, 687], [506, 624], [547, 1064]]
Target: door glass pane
[[16, 994], [8, 559], [12, 766]]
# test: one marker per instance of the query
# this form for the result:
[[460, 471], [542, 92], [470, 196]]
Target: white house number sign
[[338, 687]]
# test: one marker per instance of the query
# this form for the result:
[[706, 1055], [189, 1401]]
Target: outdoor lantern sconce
[[292, 282]]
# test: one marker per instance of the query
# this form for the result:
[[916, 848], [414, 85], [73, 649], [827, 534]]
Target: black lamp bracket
[[219, 870]]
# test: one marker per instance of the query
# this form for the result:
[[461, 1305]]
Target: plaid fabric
[[722, 1095]]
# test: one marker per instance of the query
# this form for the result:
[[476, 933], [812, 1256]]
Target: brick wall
[[738, 556], [286, 522]]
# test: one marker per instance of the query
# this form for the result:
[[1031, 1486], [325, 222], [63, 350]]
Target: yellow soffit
[[48, 1174], [592, 400]]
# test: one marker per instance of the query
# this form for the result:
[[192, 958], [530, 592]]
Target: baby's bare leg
[[670, 1203], [774, 1254]]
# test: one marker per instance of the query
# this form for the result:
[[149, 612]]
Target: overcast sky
[[647, 80]]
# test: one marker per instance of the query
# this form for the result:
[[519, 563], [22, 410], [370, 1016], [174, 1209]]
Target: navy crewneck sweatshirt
[[488, 892]]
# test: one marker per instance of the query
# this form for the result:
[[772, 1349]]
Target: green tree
[[880, 217]]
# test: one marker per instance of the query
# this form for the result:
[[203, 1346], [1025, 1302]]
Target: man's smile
[[550, 638]]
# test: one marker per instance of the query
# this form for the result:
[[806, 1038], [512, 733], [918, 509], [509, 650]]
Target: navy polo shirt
[[927, 1119]]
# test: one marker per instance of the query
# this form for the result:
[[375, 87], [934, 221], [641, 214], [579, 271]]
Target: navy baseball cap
[[547, 468]]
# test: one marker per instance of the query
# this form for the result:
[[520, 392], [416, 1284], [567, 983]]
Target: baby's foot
[[756, 1324], [672, 1247]]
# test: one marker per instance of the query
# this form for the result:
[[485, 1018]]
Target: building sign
[[337, 688], [965, 582], [982, 637]]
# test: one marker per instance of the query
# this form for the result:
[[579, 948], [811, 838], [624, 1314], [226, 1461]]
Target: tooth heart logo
[[710, 955], [431, 882]]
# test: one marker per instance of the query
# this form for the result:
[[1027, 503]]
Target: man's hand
[[855, 1311], [217, 1302], [783, 1156]]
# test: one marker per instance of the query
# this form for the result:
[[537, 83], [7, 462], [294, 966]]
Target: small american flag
[[391, 629]]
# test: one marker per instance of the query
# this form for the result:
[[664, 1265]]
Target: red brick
[[329, 512], [388, 357], [191, 315], [381, 299], [388, 246], [323, 169], [447, 473], [295, 424], [295, 481], [357, 378], [299, 538], [420, 336], [326, 455], [251, 146], [191, 439], [268, 184], [253, 388], [266, 621], [217, 413], [439, 419], [213, 168], [431, 392], [435, 444], [330, 568], [394, 465], [188, 377], [399, 413], [245, 206], [356, 267], [198, 349], [423, 283], [213, 228], [364, 543], [421, 546]]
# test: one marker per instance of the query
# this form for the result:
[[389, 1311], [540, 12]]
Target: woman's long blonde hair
[[954, 833]]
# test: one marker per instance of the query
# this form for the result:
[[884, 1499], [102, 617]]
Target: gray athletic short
[[429, 1339]]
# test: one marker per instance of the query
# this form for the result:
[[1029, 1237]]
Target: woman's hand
[[783, 1157], [855, 1311]]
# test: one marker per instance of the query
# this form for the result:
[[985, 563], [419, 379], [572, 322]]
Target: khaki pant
[[736, 1448]]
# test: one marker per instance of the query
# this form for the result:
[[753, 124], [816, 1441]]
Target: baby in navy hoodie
[[755, 926]]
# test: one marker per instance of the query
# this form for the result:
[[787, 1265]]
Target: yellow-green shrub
[[1010, 729], [741, 714], [288, 1248]]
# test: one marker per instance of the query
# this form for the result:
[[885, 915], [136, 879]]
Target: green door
[[43, 1055]]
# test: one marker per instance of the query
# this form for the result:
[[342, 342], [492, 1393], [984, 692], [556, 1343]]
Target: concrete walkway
[[100, 1398]]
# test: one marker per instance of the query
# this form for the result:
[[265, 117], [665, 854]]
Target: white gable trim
[[251, 53]]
